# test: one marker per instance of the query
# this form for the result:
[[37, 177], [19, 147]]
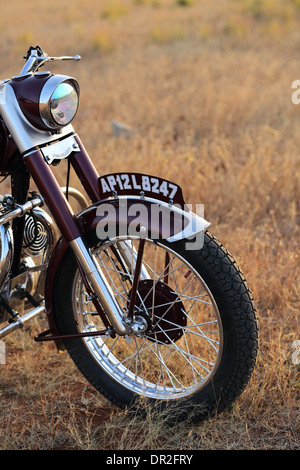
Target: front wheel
[[199, 339]]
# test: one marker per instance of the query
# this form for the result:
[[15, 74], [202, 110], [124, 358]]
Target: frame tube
[[66, 221], [53, 195]]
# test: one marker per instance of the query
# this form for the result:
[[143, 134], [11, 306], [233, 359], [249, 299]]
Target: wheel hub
[[163, 310]]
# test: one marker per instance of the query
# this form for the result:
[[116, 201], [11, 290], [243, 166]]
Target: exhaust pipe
[[19, 322]]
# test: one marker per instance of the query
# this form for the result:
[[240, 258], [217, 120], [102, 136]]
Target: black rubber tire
[[238, 314]]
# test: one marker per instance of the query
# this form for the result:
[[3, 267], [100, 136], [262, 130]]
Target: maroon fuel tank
[[7, 149]]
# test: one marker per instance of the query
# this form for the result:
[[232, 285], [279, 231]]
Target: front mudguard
[[123, 216]]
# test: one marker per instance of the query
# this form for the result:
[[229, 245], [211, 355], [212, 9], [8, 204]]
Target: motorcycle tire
[[199, 350]]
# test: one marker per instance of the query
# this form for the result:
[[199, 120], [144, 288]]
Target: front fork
[[67, 224]]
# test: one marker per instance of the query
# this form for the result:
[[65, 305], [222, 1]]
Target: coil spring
[[35, 235]]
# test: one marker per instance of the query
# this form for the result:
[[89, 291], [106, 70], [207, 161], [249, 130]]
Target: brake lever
[[43, 59], [64, 57]]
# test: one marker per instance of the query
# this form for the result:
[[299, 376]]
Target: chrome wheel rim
[[145, 364]]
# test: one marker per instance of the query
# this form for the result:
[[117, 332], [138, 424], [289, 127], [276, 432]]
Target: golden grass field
[[207, 86]]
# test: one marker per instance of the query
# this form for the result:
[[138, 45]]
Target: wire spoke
[[180, 347]]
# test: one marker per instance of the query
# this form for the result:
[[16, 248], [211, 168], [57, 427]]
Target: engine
[[40, 236]]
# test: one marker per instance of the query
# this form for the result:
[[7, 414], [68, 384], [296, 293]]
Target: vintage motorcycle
[[150, 306]]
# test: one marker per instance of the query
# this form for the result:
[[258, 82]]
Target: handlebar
[[36, 57]]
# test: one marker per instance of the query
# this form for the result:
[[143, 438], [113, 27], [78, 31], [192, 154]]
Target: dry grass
[[209, 91]]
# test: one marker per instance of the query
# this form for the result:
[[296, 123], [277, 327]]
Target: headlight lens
[[63, 104], [58, 101]]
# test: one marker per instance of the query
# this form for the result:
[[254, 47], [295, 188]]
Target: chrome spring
[[36, 236]]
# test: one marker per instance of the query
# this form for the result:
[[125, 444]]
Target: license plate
[[138, 184]]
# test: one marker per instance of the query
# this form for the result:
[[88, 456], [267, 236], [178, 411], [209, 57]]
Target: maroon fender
[[144, 217]]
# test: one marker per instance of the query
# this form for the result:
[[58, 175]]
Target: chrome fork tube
[[105, 295]]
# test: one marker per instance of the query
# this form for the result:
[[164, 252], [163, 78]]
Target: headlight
[[59, 102], [48, 101], [63, 104]]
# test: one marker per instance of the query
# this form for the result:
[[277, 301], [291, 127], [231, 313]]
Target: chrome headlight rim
[[44, 101]]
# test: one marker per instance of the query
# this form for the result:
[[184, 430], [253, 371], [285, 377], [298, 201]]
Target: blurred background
[[205, 88]]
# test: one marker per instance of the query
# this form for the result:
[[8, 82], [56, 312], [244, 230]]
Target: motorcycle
[[150, 306]]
